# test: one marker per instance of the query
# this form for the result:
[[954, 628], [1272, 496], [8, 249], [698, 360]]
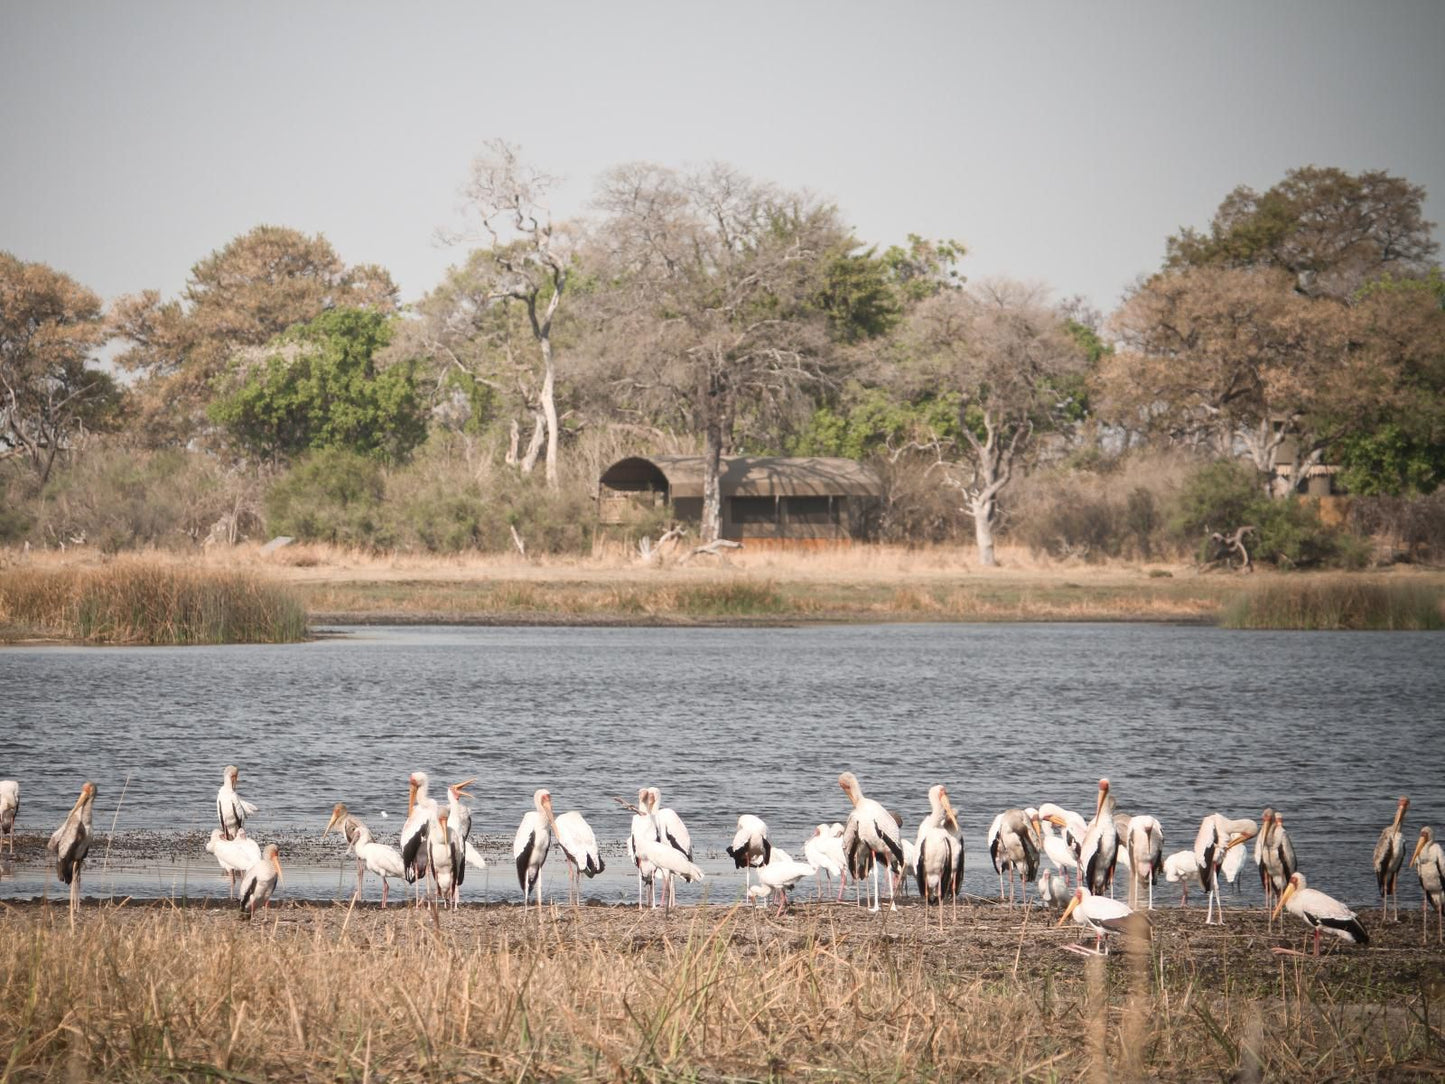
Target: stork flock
[[434, 852]]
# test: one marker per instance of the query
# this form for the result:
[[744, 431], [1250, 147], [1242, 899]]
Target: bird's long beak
[[1284, 896], [411, 798], [1419, 846], [461, 788], [1400, 812], [1056, 820], [1069, 910], [335, 816], [276, 861], [1243, 837]]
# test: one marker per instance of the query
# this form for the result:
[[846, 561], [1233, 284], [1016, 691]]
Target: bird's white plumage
[[9, 808]]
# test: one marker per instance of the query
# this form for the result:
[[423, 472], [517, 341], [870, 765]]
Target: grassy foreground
[[321, 992]]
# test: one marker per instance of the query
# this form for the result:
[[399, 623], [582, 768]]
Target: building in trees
[[767, 501]]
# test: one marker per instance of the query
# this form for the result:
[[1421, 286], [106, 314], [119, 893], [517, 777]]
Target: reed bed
[[325, 993], [140, 602], [1336, 603]]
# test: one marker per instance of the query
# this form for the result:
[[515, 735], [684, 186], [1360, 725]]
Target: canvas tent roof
[[750, 476]]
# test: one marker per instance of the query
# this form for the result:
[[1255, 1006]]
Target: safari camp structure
[[766, 501]]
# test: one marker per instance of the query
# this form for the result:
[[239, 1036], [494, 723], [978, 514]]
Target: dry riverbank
[[314, 992]]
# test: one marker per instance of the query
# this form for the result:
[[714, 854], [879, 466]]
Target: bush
[[331, 496], [1406, 529]]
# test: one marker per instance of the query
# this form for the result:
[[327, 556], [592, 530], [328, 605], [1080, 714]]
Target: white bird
[[1429, 863], [1389, 857], [1321, 912], [1182, 868], [1073, 824], [1274, 856], [824, 849], [420, 810], [377, 857], [667, 861], [1098, 913], [459, 816], [233, 855], [1053, 889], [750, 846], [9, 807], [1057, 848], [873, 831], [643, 830], [71, 842], [1144, 840], [1099, 853], [939, 867], [531, 844], [446, 858], [1217, 836], [260, 881], [1013, 845], [579, 847], [671, 831], [231, 809], [781, 872]]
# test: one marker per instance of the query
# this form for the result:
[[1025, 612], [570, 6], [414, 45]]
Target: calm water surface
[[1328, 727]]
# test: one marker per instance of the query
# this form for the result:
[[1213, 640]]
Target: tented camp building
[[765, 500]]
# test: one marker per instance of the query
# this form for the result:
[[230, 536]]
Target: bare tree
[[1019, 373], [526, 263]]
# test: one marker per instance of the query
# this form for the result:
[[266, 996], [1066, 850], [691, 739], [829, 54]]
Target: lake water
[[1330, 728]]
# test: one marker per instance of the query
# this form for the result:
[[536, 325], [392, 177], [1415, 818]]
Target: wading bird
[[1389, 857], [421, 810], [377, 857], [665, 859], [873, 829], [1183, 868], [260, 881], [1013, 844], [750, 846], [1217, 836], [9, 808], [1053, 889], [71, 843], [1099, 852], [446, 859], [1429, 863], [531, 844], [351, 828], [939, 867], [1098, 913], [642, 831], [1274, 855], [671, 831], [1144, 840], [1321, 912], [231, 809], [579, 847], [824, 849], [234, 855], [1057, 849], [781, 872]]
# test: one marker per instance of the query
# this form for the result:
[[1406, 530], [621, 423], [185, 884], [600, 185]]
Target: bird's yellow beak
[[461, 787], [411, 798], [1242, 837], [1419, 846], [276, 861], [1283, 898], [1069, 910], [336, 814]]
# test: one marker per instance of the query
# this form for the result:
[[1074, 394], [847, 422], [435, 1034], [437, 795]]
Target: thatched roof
[[746, 476]]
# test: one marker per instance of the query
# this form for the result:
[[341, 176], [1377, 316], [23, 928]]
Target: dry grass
[[139, 601], [1337, 602], [324, 993]]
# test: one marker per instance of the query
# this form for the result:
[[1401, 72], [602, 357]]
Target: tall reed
[[1335, 603], [137, 602]]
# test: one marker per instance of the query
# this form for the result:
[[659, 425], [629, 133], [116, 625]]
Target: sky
[[1061, 143]]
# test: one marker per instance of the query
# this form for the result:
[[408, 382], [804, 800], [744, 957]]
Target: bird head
[[849, 782], [338, 814], [459, 790], [1078, 898], [275, 856], [1400, 807], [1427, 836], [543, 801], [230, 772], [1296, 882]]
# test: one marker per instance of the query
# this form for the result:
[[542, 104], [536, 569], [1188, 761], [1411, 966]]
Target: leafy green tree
[[859, 296], [50, 395], [318, 386]]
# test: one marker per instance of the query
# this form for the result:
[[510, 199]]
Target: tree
[[525, 264], [50, 325], [1331, 231], [244, 295], [1017, 370], [317, 387]]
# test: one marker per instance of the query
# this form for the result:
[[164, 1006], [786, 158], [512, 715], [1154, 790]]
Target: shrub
[[331, 496]]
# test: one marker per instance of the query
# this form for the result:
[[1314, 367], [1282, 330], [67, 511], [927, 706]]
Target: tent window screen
[[813, 510], [755, 510]]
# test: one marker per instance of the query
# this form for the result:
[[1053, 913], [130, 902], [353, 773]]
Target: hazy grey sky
[[1060, 142]]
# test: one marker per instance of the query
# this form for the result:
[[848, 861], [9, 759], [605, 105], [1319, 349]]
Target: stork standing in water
[[873, 829], [1144, 840], [421, 810], [9, 807], [234, 855], [446, 858], [579, 847], [1099, 851], [824, 849], [1013, 845], [260, 881], [1389, 857], [750, 846], [1429, 863], [231, 809], [671, 831], [653, 851], [642, 831], [1217, 836], [1274, 855], [1320, 912], [531, 844], [377, 857], [71, 843]]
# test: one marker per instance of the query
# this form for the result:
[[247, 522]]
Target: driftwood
[[517, 540], [628, 805], [652, 553], [1228, 547]]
